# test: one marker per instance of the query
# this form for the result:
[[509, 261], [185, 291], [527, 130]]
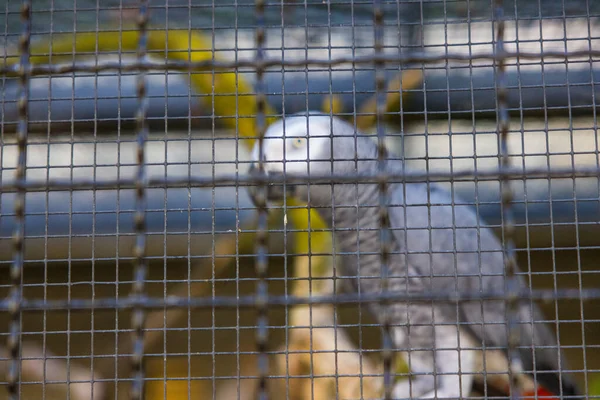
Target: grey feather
[[437, 246]]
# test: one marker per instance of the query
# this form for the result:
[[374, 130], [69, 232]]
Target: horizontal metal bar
[[410, 58], [214, 302], [247, 180], [89, 101]]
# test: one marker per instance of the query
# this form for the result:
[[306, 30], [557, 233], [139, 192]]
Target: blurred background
[[200, 241]]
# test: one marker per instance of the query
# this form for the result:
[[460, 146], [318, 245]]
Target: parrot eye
[[298, 143]]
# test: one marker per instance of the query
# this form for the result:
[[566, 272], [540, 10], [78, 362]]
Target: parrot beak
[[275, 191]]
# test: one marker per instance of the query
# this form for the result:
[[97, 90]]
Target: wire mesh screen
[[422, 224]]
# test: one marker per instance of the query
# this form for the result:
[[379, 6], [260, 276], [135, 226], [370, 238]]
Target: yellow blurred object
[[332, 104], [315, 348], [307, 241], [406, 80], [230, 94], [171, 387]]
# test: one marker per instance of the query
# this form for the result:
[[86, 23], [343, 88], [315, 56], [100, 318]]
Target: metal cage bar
[[140, 263], [508, 224], [396, 59], [16, 270], [384, 221], [252, 180], [261, 262]]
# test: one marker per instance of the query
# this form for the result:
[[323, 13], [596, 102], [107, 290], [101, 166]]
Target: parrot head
[[310, 145]]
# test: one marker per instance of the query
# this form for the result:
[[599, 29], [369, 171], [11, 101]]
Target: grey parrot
[[437, 246]]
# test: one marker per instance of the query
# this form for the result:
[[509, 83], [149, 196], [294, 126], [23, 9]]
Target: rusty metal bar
[[397, 59], [261, 262], [508, 224], [228, 180], [140, 263], [385, 233], [229, 302], [16, 270]]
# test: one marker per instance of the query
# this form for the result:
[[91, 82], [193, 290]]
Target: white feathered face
[[296, 145], [301, 146]]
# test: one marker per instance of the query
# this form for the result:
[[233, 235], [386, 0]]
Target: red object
[[542, 394]]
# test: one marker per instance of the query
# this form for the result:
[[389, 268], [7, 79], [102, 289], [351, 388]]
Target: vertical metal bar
[[353, 39], [560, 371], [140, 267], [334, 259], [238, 227], [594, 129], [69, 283], [261, 265], [47, 264], [545, 89], [189, 210], [93, 323], [286, 260], [471, 33], [385, 236], [309, 249], [213, 207], [16, 270], [119, 211], [453, 200], [508, 224]]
